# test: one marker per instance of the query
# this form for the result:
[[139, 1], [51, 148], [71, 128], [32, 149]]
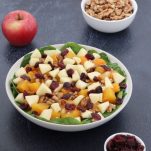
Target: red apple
[[19, 27]]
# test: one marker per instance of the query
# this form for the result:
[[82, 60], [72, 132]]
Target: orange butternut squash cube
[[74, 113], [116, 87], [100, 70], [83, 92], [70, 54], [55, 115], [33, 87], [109, 95], [83, 60], [99, 62], [23, 86], [39, 107]]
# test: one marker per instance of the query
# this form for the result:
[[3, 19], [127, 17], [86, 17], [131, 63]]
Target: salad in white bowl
[[69, 87]]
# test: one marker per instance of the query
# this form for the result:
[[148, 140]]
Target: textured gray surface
[[61, 21]]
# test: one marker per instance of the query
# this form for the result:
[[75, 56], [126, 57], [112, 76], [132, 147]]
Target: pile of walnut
[[109, 9]]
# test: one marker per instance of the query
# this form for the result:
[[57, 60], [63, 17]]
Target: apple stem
[[19, 17]]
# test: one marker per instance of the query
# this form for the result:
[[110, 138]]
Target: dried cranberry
[[91, 91], [120, 139], [24, 106], [48, 95], [36, 65], [123, 85], [70, 72], [106, 68], [91, 70], [61, 65], [54, 85], [84, 77], [44, 55], [66, 96], [70, 106], [74, 89], [67, 85], [95, 79], [119, 101], [25, 77], [35, 113], [89, 56], [81, 108], [131, 141], [39, 76], [25, 93], [98, 89], [89, 105], [96, 116], [28, 69], [64, 52]]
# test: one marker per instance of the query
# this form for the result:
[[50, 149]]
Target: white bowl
[[109, 26], [72, 128], [123, 133]]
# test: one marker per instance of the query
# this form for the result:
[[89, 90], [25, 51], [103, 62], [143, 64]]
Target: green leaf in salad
[[105, 57], [49, 47], [13, 89], [92, 51], [106, 114], [26, 58], [116, 67], [74, 46], [86, 121]]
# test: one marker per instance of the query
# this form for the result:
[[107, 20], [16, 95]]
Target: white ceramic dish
[[123, 133], [70, 128], [108, 26]]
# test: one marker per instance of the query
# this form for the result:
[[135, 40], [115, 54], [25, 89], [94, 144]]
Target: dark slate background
[[61, 21]]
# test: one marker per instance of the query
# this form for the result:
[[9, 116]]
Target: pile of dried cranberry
[[124, 143]]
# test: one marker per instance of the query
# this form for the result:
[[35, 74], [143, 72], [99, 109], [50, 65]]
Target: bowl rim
[[124, 133], [125, 102], [135, 7]]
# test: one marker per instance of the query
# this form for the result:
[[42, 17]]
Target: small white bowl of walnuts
[[109, 16]]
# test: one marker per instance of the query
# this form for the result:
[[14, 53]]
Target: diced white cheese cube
[[46, 114], [81, 84], [21, 71], [106, 74], [56, 107], [88, 65], [48, 59], [70, 66], [81, 69], [103, 106], [33, 61], [93, 86], [95, 97], [62, 73], [77, 59], [93, 74], [43, 89], [31, 99], [44, 68], [78, 99], [68, 61], [75, 76], [108, 83], [86, 114], [118, 78], [48, 83], [36, 54], [58, 88], [52, 52], [82, 52], [65, 79], [54, 72], [19, 97], [96, 55], [17, 80]]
